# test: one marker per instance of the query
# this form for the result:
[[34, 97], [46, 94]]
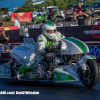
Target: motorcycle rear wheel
[[90, 77]]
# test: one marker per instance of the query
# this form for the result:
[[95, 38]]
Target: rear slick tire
[[58, 20], [92, 74]]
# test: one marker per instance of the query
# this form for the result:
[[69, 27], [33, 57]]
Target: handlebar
[[50, 48], [54, 48]]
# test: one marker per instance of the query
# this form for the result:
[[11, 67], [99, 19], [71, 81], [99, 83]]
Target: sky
[[11, 3]]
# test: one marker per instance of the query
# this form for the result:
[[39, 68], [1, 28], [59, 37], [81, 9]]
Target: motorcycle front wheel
[[90, 77]]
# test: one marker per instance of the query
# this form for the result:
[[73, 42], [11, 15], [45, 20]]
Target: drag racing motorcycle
[[68, 61]]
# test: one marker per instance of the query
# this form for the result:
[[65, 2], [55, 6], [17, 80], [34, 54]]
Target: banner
[[10, 28], [94, 49], [91, 33], [22, 16]]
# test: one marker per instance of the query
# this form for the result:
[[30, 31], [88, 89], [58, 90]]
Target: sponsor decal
[[22, 48], [4, 68], [14, 45], [21, 13], [55, 76], [94, 50], [61, 76], [26, 76], [6, 28], [30, 75], [9, 72], [5, 72], [81, 62], [95, 31]]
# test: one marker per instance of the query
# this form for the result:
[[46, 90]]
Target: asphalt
[[49, 90]]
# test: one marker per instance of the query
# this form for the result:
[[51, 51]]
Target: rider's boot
[[19, 75], [48, 75]]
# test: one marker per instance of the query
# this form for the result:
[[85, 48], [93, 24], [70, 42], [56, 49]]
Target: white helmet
[[47, 27]]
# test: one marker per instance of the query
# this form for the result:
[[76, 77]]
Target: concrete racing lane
[[49, 91]]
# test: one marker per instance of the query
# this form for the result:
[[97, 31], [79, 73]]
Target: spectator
[[75, 10], [66, 12], [1, 24], [74, 17], [66, 15], [79, 8], [50, 14], [16, 22], [81, 18], [4, 39]]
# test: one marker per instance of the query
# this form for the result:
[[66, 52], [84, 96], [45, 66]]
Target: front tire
[[90, 77]]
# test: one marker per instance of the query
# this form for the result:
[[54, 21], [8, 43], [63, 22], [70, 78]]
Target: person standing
[[81, 18], [66, 15], [1, 24], [16, 22], [79, 8], [4, 39], [50, 14]]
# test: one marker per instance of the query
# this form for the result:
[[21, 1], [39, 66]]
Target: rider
[[50, 36]]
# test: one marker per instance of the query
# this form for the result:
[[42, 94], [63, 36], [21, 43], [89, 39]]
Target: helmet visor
[[51, 31]]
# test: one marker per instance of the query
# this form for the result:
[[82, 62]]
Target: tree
[[3, 10], [62, 4], [49, 3], [27, 6]]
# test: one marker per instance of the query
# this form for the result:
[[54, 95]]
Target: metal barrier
[[92, 22]]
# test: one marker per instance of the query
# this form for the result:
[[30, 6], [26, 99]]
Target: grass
[[5, 24]]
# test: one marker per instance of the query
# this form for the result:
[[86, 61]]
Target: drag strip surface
[[49, 91]]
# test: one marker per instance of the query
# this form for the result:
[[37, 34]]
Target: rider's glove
[[50, 56]]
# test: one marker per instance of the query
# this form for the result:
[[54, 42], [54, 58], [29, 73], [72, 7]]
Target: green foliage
[[62, 4], [3, 10], [6, 19], [90, 2], [28, 4]]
